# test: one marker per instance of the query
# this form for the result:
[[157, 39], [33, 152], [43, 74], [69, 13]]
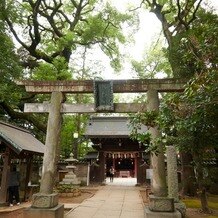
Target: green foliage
[[148, 119], [52, 30], [69, 127], [154, 63], [195, 50], [49, 32], [66, 188], [9, 67], [57, 70], [191, 120], [188, 120]]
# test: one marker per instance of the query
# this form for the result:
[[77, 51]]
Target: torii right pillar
[[159, 204], [159, 187]]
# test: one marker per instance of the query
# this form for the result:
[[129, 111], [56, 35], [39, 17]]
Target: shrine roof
[[109, 127], [91, 155], [19, 139]]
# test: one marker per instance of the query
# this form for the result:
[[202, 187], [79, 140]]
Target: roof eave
[[15, 147]]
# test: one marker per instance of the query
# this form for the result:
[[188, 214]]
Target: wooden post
[[51, 145], [114, 165], [5, 174], [28, 176], [102, 166], [159, 187], [136, 167]]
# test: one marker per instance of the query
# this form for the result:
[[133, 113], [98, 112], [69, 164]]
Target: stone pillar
[[158, 181], [51, 144], [172, 178], [45, 204]]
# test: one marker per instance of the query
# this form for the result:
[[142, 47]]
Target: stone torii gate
[[46, 198]]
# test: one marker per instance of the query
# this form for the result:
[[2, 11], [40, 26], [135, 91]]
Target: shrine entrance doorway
[[124, 164]]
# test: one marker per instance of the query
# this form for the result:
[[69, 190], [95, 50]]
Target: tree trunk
[[200, 180], [204, 202], [189, 186]]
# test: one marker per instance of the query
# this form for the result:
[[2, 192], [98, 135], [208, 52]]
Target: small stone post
[[158, 181], [172, 178]]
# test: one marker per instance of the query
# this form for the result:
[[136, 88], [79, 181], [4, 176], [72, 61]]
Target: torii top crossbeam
[[119, 86]]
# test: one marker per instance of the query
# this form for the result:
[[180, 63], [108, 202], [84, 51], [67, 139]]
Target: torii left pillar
[[45, 203]]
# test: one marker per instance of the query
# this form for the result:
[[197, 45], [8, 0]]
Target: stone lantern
[[70, 178]]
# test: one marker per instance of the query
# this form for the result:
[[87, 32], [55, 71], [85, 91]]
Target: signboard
[[103, 92]]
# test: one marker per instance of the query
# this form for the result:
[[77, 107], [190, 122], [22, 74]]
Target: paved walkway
[[120, 199]]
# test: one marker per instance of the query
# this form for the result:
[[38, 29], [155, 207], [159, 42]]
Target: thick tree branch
[[15, 33], [37, 35], [180, 18], [50, 18], [157, 10], [77, 15], [195, 11], [32, 51], [20, 115], [31, 64]]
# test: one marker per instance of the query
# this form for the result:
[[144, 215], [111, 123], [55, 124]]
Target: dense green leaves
[[9, 65], [155, 63], [52, 31], [195, 50]]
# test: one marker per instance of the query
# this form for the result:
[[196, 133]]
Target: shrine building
[[18, 147], [110, 137]]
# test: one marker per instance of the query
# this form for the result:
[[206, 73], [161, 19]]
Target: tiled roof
[[91, 155], [20, 139], [110, 127]]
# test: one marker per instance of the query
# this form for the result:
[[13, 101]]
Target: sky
[[149, 29]]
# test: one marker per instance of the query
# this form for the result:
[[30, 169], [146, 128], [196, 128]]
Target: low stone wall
[[71, 193]]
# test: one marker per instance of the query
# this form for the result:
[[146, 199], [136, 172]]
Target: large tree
[[48, 36], [190, 31], [11, 96]]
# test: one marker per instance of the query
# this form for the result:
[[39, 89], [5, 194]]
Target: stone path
[[113, 201]]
